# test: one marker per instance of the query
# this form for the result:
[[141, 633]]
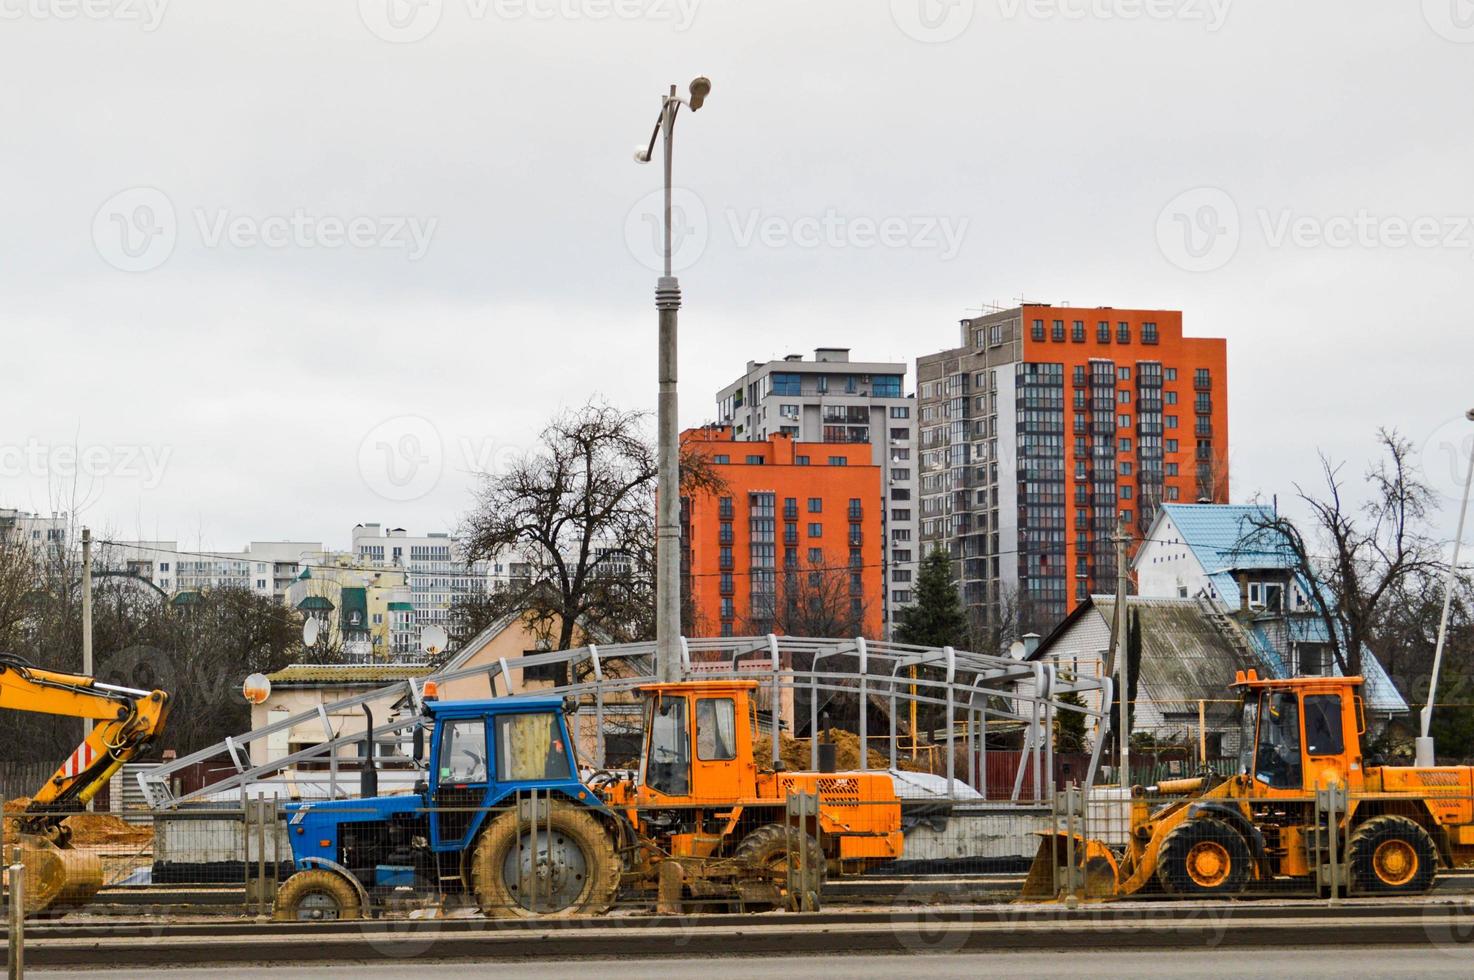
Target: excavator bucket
[[57, 877], [1097, 870]]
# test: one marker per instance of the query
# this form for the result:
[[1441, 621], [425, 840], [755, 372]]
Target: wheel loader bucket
[[57, 877], [1096, 865]]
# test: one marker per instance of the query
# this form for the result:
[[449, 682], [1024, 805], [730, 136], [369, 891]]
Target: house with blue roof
[[1218, 553]]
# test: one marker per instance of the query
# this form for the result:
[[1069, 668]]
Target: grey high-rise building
[[833, 399]]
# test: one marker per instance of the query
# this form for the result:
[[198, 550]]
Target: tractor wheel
[[571, 869], [767, 847], [1206, 858], [1391, 856], [316, 896]]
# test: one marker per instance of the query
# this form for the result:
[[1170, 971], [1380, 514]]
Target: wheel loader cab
[[698, 741], [1300, 734]]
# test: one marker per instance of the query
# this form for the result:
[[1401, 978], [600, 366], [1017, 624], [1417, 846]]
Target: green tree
[[937, 619]]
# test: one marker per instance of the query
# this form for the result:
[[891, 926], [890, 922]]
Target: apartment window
[[1126, 493], [786, 384], [1172, 469], [821, 383], [900, 534], [1077, 331], [1149, 333], [901, 555], [1172, 446], [801, 461], [900, 513], [788, 411], [1123, 374], [1125, 469], [898, 473], [725, 559], [901, 596], [839, 461], [724, 508], [901, 575], [1173, 493], [1124, 397], [901, 434], [816, 505], [995, 335], [816, 530], [900, 412], [163, 566], [1125, 445], [886, 386], [754, 461], [1123, 421], [1170, 421], [1169, 374], [816, 557], [721, 460], [1038, 331], [1057, 332], [1103, 332], [1123, 333], [1171, 397]]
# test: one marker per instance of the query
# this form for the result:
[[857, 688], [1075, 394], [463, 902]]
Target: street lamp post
[[1424, 744], [668, 514]]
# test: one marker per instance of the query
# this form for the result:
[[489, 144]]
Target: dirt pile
[[796, 756], [86, 828]]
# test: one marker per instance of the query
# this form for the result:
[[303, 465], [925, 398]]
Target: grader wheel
[[767, 848], [1204, 858], [572, 868], [1391, 856]]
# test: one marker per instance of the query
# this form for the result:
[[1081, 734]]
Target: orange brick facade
[[793, 543]]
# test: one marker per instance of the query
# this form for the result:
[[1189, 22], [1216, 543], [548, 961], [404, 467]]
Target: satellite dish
[[433, 639], [310, 629], [1017, 650], [256, 689]]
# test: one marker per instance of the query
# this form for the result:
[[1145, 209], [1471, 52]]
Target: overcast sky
[[282, 267]]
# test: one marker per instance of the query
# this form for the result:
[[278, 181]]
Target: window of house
[[816, 556], [1169, 374], [1170, 421], [1149, 333], [1123, 333], [1057, 332], [816, 530], [788, 410], [800, 461], [1103, 332], [1038, 331], [839, 461], [1077, 332], [900, 412]]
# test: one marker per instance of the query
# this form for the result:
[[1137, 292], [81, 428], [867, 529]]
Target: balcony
[[1203, 383]]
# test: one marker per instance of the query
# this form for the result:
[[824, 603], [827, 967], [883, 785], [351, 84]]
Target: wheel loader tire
[[767, 847], [577, 867], [316, 895], [1205, 858], [1391, 855]]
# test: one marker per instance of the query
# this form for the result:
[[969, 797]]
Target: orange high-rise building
[[792, 544], [1047, 428]]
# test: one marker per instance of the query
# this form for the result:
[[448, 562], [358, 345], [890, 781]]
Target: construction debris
[[86, 828]]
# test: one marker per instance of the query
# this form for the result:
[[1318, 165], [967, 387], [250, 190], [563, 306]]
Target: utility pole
[[87, 623], [668, 452], [1123, 618]]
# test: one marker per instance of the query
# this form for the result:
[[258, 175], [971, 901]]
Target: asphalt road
[[1074, 964]]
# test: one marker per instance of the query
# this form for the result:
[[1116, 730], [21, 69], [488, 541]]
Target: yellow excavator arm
[[128, 720]]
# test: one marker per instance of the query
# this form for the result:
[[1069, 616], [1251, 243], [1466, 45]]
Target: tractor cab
[[1300, 734], [698, 742]]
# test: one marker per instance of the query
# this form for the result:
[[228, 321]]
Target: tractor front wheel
[[1391, 856], [1205, 858], [767, 848], [571, 868], [316, 896]]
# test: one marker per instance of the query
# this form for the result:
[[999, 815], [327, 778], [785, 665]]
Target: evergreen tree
[[937, 619]]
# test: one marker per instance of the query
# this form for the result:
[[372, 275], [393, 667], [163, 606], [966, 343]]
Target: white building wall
[[1166, 567]]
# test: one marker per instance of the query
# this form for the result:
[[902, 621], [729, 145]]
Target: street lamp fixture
[[668, 509]]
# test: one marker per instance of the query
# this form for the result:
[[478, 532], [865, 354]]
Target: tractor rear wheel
[[316, 896], [1205, 857], [571, 869], [1391, 856]]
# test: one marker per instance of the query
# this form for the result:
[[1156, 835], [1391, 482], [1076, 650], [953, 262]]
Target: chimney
[[1244, 594], [1031, 643]]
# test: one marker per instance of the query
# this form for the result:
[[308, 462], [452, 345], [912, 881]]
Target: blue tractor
[[502, 821]]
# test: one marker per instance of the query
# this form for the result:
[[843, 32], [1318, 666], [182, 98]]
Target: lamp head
[[1469, 415], [642, 155], [700, 89]]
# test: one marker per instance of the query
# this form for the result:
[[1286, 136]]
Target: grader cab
[[1218, 835]]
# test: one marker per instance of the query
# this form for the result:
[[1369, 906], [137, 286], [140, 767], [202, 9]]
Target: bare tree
[[580, 509], [818, 600], [1369, 551]]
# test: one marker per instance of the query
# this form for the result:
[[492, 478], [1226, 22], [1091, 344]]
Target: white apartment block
[[266, 568], [834, 399], [35, 530], [435, 563]]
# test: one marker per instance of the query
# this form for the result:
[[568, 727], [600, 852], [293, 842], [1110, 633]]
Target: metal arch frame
[[988, 687]]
